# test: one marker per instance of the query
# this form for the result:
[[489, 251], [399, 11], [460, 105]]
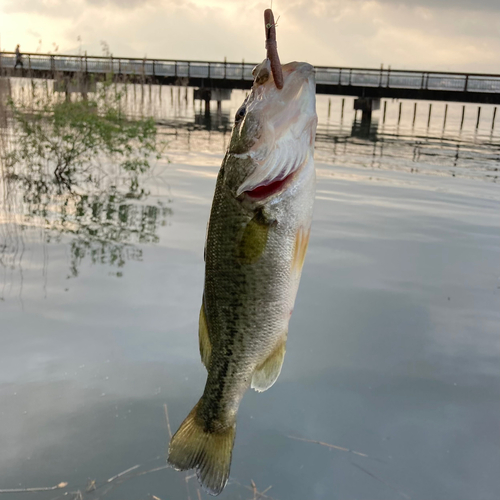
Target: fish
[[257, 237]]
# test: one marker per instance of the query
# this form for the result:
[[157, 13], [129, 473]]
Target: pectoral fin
[[300, 249], [253, 240], [268, 372], [204, 339]]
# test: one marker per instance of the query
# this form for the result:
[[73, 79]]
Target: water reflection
[[401, 136], [393, 350], [350, 142], [221, 122], [103, 215], [71, 175], [361, 146], [373, 147], [365, 129]]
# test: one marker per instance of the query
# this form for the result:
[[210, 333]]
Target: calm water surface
[[394, 346]]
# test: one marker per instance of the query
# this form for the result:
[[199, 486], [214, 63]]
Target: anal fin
[[266, 374], [204, 339]]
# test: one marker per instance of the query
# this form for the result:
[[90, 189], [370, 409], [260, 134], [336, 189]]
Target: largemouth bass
[[256, 243]]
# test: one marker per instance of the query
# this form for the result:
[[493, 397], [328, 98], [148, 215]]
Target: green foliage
[[74, 134]]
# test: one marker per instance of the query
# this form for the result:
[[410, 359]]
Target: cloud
[[473, 5], [363, 33], [52, 8], [125, 4]]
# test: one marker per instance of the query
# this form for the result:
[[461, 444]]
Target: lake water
[[393, 356]]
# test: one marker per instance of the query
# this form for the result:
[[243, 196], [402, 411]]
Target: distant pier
[[215, 78]]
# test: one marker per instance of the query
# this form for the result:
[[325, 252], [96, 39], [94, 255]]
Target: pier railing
[[230, 71], [407, 79], [131, 66]]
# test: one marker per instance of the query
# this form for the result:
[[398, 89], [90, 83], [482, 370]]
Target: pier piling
[[366, 105]]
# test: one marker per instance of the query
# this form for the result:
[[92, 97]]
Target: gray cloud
[[62, 8], [324, 8], [73, 7], [130, 4], [447, 4], [412, 34], [359, 33], [56, 8]]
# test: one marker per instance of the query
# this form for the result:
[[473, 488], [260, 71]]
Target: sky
[[452, 35]]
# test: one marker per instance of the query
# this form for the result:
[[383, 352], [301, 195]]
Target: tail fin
[[208, 452]]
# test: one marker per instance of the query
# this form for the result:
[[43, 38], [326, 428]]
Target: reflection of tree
[[105, 220], [109, 225], [77, 169]]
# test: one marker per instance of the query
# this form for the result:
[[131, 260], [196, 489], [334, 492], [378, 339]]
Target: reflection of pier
[[208, 94], [219, 121], [354, 142]]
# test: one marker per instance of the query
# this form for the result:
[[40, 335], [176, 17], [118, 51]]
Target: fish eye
[[240, 114]]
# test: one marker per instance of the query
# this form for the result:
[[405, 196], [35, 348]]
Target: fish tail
[[192, 447]]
